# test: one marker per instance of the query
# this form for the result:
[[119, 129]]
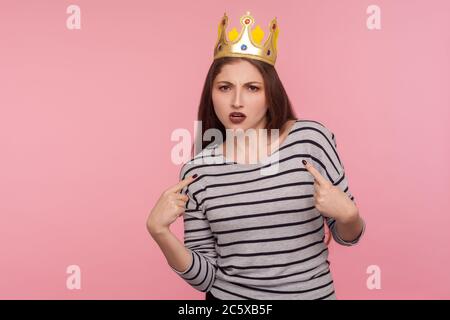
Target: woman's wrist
[[350, 216], [158, 232]]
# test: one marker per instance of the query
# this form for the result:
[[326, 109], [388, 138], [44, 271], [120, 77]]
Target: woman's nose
[[237, 100]]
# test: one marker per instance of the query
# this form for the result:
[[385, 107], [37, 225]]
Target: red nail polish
[[195, 176], [304, 162]]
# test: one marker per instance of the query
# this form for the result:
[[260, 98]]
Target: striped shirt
[[258, 236]]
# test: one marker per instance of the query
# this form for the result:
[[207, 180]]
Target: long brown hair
[[279, 106]]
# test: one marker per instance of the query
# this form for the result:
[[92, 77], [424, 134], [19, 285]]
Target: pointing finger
[[183, 183], [315, 173]]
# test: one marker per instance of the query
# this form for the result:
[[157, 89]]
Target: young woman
[[249, 234]]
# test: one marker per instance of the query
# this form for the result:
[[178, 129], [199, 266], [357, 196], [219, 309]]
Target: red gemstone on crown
[[247, 21], [274, 26]]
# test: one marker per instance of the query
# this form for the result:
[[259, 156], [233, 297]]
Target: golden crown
[[247, 43]]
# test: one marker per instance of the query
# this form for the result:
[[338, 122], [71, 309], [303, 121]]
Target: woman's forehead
[[239, 73]]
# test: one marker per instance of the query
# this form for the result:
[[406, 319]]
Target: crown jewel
[[247, 43]]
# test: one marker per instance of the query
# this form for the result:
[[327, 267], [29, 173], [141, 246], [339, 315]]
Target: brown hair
[[279, 106]]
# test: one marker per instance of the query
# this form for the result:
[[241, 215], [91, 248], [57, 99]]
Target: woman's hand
[[329, 200], [169, 207]]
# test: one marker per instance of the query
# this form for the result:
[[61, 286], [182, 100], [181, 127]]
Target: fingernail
[[195, 176], [304, 162]]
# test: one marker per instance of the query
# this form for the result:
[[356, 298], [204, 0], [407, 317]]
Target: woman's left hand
[[329, 200]]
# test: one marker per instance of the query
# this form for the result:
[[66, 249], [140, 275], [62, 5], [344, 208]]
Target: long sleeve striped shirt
[[256, 234]]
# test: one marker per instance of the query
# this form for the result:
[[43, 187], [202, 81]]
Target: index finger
[[183, 183], [315, 173]]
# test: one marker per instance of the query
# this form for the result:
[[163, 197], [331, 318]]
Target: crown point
[[248, 43]]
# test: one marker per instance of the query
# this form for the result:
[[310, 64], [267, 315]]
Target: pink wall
[[86, 118]]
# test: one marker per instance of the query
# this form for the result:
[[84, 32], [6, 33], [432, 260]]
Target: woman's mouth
[[237, 117]]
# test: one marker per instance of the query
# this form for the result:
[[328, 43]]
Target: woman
[[250, 234]]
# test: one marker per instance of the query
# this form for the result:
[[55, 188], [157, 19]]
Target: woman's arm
[[351, 227], [346, 224], [177, 255]]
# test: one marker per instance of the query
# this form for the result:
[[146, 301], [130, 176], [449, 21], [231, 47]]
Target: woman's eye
[[252, 88]]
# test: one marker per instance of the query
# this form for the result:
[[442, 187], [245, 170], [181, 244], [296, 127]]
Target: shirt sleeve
[[200, 241], [333, 168]]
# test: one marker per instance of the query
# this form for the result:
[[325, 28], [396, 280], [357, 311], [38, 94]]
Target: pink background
[[86, 118]]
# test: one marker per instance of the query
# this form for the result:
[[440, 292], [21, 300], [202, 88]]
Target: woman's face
[[239, 87]]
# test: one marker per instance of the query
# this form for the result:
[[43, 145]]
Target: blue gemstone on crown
[[243, 47]]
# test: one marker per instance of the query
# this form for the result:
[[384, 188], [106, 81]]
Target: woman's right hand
[[169, 207]]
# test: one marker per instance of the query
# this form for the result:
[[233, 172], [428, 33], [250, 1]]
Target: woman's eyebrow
[[244, 83]]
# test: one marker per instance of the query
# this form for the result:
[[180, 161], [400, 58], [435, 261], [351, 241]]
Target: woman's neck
[[252, 148]]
